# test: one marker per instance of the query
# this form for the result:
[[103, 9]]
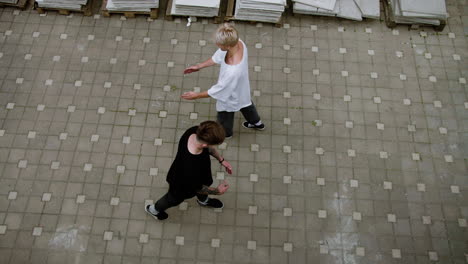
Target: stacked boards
[[259, 10], [132, 5], [76, 5], [430, 12], [195, 8], [348, 9], [13, 2]]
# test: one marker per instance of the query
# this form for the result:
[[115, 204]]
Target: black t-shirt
[[189, 172]]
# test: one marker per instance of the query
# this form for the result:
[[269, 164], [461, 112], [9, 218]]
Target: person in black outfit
[[190, 173]]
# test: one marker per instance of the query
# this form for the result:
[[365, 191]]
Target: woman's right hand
[[191, 69]]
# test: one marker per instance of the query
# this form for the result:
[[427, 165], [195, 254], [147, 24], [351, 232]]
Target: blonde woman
[[232, 91]]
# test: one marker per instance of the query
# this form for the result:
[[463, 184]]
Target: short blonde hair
[[226, 35]]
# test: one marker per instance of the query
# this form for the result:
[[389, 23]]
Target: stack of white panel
[[62, 4], [132, 5], [9, 1], [260, 10], [419, 11], [197, 8], [349, 9]]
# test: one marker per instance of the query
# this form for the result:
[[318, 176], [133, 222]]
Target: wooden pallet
[[21, 4], [86, 9], [170, 17], [230, 16], [390, 19], [153, 14]]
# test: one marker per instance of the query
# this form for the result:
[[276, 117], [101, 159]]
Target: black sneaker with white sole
[[212, 202], [252, 126], [158, 216]]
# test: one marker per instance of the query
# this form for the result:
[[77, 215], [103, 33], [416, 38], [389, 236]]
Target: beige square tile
[[153, 171], [12, 195], [357, 216], [37, 231], [254, 147], [396, 253], [215, 242], [287, 247], [253, 210], [144, 238], [158, 141], [426, 220], [360, 251], [108, 235], [3, 229], [254, 177], [120, 169], [179, 240], [252, 245], [323, 249], [46, 197], [321, 181], [322, 214]]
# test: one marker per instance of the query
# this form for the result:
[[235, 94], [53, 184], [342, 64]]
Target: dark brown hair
[[210, 132]]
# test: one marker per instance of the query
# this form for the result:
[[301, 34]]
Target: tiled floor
[[363, 159]]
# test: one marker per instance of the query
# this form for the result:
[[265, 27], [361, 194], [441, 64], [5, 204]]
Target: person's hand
[[191, 69], [227, 166], [189, 95], [223, 187]]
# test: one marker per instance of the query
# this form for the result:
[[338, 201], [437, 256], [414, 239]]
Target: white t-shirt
[[232, 91]]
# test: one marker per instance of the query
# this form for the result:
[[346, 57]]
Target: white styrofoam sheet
[[369, 8], [192, 10], [309, 10], [138, 6], [323, 4], [349, 10], [399, 18], [199, 3], [435, 7]]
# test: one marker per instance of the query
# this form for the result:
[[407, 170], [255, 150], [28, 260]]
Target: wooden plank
[[168, 15], [230, 8], [153, 14]]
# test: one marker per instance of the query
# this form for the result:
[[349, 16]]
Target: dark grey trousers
[[226, 119], [170, 200]]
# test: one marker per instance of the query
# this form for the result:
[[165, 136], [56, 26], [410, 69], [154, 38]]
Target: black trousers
[[226, 119], [170, 200]]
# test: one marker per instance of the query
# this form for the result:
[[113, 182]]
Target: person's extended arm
[[209, 62], [213, 152], [195, 95], [221, 189]]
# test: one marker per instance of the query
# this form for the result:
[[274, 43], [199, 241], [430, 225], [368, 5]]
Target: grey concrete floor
[[363, 159]]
